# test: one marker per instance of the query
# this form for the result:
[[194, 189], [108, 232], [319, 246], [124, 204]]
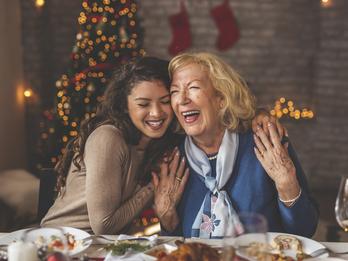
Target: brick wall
[[330, 149], [291, 48]]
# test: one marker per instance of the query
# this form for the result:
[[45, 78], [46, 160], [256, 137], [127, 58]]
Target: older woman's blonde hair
[[238, 106]]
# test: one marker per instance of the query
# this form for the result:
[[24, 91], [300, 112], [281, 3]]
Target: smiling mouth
[[190, 116], [155, 124]]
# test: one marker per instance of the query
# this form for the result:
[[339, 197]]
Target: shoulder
[[246, 137], [246, 152], [106, 131], [107, 135]]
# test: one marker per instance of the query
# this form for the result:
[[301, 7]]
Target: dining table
[[97, 252]]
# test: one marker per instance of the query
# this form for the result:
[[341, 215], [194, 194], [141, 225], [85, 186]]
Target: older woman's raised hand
[[169, 187], [275, 159]]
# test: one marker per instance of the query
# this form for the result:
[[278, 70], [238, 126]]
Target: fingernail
[[183, 159], [269, 124], [258, 127]]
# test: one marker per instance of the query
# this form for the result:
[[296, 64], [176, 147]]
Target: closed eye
[[165, 102], [143, 104], [173, 92]]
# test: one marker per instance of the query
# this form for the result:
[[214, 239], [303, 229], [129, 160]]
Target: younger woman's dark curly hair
[[114, 110]]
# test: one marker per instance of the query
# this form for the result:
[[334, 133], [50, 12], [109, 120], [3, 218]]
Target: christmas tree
[[109, 35]]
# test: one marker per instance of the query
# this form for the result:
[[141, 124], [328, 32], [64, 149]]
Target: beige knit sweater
[[104, 195]]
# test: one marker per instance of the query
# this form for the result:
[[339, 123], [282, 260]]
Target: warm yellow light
[[28, 93], [39, 3], [285, 111], [325, 3], [153, 229]]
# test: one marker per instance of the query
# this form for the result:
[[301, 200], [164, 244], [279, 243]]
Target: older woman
[[231, 169]]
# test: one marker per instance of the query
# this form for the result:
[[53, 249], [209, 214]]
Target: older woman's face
[[195, 102]]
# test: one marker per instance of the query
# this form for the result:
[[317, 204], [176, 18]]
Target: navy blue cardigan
[[251, 190]]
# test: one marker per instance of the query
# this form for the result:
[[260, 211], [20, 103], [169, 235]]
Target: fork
[[324, 250], [111, 239], [97, 236]]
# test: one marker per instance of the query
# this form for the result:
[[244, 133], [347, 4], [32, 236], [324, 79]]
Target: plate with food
[[158, 252], [280, 245], [183, 251], [51, 238]]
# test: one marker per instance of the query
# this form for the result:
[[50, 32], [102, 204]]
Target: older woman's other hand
[[275, 159], [262, 118], [169, 187]]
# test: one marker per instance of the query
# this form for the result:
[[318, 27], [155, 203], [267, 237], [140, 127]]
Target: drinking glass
[[251, 242], [341, 206]]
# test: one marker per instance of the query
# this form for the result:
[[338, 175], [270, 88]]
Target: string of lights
[[284, 108], [109, 35]]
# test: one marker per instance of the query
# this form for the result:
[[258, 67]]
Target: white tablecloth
[[96, 251]]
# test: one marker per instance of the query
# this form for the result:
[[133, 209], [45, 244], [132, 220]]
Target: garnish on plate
[[120, 248]]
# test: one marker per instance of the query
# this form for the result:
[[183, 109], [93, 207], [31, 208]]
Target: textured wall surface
[[12, 129], [292, 48]]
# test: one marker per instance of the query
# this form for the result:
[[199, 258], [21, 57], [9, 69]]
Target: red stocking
[[181, 31], [226, 23]]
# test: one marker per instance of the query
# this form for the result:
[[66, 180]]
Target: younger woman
[[98, 178]]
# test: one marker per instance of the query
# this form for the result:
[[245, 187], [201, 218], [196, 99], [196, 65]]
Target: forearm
[[289, 189], [111, 219]]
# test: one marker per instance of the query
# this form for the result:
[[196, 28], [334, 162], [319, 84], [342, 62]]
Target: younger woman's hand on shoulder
[[262, 118]]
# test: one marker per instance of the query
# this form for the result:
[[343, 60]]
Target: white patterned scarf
[[216, 212]]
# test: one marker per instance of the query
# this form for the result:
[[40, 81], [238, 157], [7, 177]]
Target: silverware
[[87, 239], [319, 252], [92, 237], [325, 250]]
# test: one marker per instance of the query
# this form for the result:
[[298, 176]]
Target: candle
[[19, 251]]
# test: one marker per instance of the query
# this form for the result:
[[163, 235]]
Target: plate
[[308, 245], [47, 232], [150, 255]]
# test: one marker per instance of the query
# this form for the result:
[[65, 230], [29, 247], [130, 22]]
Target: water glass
[[250, 242], [341, 206]]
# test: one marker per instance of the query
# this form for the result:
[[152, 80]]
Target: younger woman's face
[[149, 109]]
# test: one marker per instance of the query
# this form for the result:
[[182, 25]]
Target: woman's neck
[[143, 142], [211, 143]]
